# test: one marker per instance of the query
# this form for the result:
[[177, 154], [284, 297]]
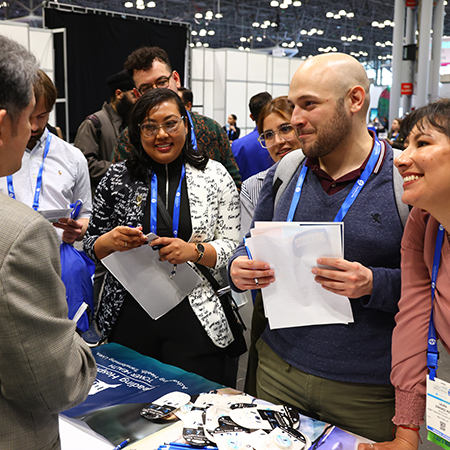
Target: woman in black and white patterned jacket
[[192, 334]]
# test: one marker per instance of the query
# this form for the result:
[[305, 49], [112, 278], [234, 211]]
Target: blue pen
[[250, 257], [76, 209], [122, 444]]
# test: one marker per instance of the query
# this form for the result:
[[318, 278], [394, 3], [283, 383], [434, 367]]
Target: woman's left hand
[[175, 250]]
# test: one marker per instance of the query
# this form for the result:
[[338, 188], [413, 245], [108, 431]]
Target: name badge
[[438, 412]]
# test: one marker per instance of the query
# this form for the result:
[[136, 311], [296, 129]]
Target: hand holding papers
[[148, 280], [291, 249]]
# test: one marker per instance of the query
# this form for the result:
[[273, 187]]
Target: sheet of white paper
[[147, 279], [53, 215], [76, 435], [295, 299]]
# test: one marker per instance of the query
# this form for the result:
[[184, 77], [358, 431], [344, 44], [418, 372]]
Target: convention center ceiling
[[299, 28]]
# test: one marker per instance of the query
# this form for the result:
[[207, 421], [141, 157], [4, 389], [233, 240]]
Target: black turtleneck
[[174, 172]]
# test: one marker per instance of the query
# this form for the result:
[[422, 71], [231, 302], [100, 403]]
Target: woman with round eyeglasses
[[425, 264], [205, 230], [279, 137]]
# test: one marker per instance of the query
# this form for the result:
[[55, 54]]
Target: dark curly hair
[[139, 164], [142, 59], [436, 114]]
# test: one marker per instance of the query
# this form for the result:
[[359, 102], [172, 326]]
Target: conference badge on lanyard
[[438, 391]]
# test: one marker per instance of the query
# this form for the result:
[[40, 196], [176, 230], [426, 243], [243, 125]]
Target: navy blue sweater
[[361, 351]]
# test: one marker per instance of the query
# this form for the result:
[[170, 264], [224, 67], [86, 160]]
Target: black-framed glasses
[[150, 129], [162, 83], [267, 139]]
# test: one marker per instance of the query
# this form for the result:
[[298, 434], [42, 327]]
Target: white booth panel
[[257, 67], [294, 64], [236, 65], [219, 79], [208, 99], [16, 31], [197, 63], [41, 44], [236, 101], [269, 70], [197, 91], [280, 70], [278, 90], [209, 65]]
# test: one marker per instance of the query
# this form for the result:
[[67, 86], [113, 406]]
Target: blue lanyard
[[432, 353], [37, 192], [193, 138], [351, 197], [176, 204]]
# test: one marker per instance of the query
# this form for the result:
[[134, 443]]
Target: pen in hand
[[250, 257]]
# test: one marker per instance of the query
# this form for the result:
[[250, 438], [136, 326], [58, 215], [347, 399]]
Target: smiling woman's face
[[165, 146], [281, 146], [424, 166]]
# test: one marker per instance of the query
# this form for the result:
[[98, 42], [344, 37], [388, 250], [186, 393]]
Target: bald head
[[333, 73]]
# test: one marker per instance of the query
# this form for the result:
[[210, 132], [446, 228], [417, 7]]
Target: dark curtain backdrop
[[97, 47]]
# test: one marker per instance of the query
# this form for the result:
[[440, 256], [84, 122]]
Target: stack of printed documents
[[292, 249]]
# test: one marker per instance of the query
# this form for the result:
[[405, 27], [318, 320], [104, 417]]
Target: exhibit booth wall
[[38, 41]]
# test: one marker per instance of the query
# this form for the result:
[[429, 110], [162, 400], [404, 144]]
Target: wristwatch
[[201, 252]]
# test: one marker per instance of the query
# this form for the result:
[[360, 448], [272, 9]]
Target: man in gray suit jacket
[[45, 367]]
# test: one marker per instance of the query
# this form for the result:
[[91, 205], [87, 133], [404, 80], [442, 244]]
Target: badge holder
[[165, 405]]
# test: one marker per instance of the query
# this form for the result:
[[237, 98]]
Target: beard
[[124, 107], [331, 134]]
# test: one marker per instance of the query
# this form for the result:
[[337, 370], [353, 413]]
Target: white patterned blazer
[[215, 218]]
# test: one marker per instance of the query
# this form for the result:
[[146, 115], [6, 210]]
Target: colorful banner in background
[[126, 382]]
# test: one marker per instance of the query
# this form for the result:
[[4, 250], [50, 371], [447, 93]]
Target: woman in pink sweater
[[425, 168]]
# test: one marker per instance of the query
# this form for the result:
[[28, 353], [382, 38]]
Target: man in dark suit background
[[45, 367]]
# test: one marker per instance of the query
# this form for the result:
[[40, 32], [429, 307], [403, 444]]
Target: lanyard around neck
[[432, 353], [353, 194], [176, 204], [37, 191], [193, 138]]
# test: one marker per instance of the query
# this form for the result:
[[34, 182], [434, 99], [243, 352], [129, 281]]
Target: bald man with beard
[[336, 373]]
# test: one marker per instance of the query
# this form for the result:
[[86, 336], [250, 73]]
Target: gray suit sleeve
[[45, 365]]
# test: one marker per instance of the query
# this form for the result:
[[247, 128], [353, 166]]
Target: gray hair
[[18, 71]]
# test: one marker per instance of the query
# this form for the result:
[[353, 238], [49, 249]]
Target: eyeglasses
[[162, 83], [170, 126], [267, 139]]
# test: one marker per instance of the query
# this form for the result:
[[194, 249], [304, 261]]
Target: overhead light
[[329, 14], [381, 25], [191, 44], [198, 44], [128, 4], [247, 49], [209, 13], [299, 44], [263, 25], [303, 32], [198, 15], [243, 39], [202, 32], [350, 15], [288, 2], [219, 15], [273, 24], [387, 22], [313, 30], [255, 24], [283, 6], [297, 3], [267, 22], [140, 6], [139, 3], [319, 32], [321, 49], [337, 16], [374, 23], [241, 48], [211, 32], [343, 38], [151, 4], [259, 39], [334, 49], [342, 12], [274, 3], [205, 44], [284, 44], [194, 33], [360, 38]]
